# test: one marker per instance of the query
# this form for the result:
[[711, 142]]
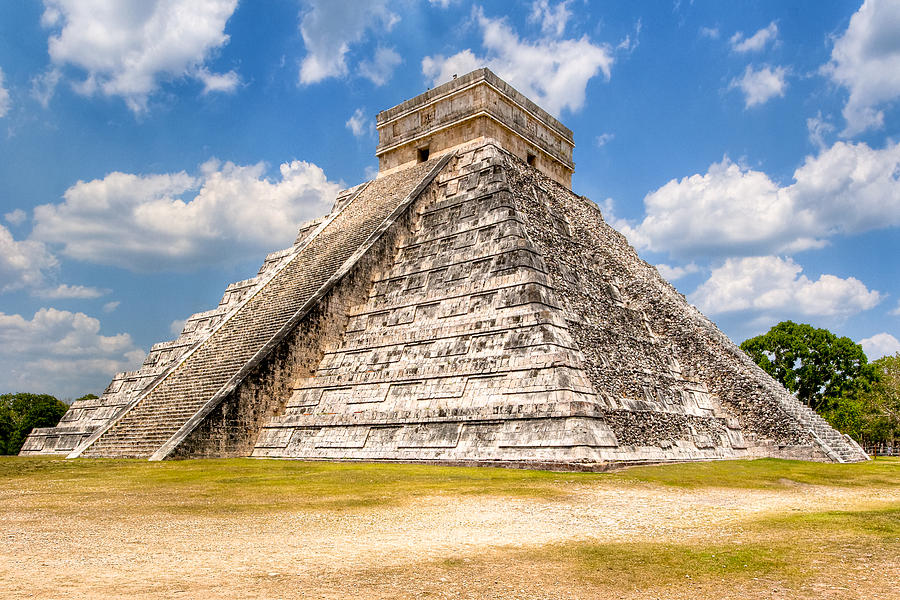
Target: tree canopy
[[815, 364], [20, 413], [881, 403]]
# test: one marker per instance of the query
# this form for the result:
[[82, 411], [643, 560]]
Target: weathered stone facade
[[467, 308], [477, 106]]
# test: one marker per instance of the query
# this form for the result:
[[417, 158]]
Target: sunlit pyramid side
[[464, 307]]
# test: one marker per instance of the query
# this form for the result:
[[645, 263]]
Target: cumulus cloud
[[554, 72], [181, 221], [380, 69], [672, 273], [127, 48], [735, 210], [43, 86], [177, 326], [896, 311], [866, 61], [218, 82], [880, 344], [329, 27], [23, 263], [61, 352], [5, 102], [552, 19], [818, 128], [111, 306], [16, 217], [773, 284], [359, 124], [755, 42], [71, 291], [760, 85]]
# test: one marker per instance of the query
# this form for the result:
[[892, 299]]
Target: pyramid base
[[567, 442]]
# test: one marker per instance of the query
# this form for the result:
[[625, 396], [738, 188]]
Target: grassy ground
[[774, 529]]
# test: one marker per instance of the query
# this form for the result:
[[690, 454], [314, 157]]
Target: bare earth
[[434, 547]]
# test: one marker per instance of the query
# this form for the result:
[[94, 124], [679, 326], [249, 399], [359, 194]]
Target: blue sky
[[153, 152]]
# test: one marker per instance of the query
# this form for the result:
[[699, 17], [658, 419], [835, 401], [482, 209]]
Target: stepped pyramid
[[464, 307]]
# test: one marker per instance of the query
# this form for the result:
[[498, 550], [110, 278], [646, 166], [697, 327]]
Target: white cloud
[[709, 32], [729, 207], [896, 311], [441, 3], [127, 49], [61, 353], [111, 306], [179, 221], [16, 217], [43, 86], [880, 344], [176, 326], [552, 72], [629, 43], [552, 19], [359, 124], [381, 67], [71, 291], [218, 82], [818, 128], [760, 85], [773, 284], [866, 60], [23, 264], [5, 102], [329, 27], [850, 188], [603, 139], [440, 69], [734, 210], [755, 42], [672, 273]]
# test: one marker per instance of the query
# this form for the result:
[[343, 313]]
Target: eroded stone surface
[[467, 309]]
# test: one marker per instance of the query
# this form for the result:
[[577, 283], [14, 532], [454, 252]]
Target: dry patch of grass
[[290, 529], [834, 554]]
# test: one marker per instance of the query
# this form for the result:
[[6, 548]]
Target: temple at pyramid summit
[[463, 307]]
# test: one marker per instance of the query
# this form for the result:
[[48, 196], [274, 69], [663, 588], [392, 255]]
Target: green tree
[[881, 403], [815, 364], [20, 413]]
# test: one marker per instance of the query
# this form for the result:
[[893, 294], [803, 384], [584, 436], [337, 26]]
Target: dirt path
[[397, 551]]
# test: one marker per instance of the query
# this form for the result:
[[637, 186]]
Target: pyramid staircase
[[85, 417], [153, 424]]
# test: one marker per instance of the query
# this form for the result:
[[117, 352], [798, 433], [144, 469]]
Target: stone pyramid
[[464, 307]]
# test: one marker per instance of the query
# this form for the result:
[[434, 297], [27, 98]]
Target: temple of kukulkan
[[464, 307]]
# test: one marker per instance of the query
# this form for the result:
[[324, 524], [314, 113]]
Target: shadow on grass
[[767, 473], [237, 485]]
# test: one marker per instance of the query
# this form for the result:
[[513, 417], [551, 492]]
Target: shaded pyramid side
[[662, 366], [155, 423], [460, 351], [464, 353], [507, 329]]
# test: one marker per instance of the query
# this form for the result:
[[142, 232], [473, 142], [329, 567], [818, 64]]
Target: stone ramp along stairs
[[160, 418]]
